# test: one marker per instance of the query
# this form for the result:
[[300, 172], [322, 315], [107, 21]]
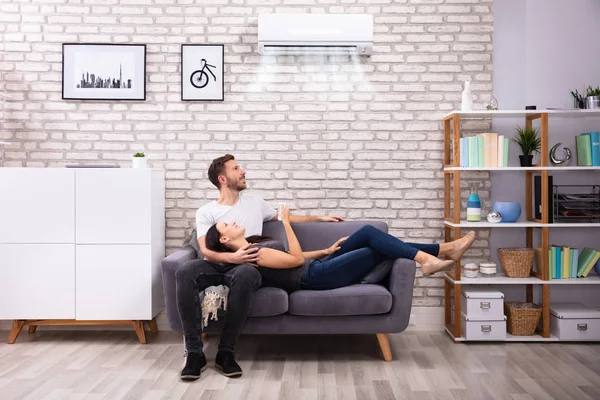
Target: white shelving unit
[[453, 225]]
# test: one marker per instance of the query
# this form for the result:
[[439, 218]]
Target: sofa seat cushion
[[269, 301], [364, 299]]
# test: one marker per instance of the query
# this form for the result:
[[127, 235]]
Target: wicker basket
[[521, 318], [516, 262]]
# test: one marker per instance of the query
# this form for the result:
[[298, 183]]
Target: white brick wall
[[360, 139]]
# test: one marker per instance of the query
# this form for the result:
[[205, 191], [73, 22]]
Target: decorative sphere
[[510, 210], [494, 216]]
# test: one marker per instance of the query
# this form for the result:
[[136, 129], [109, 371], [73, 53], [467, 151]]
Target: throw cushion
[[379, 272], [192, 241]]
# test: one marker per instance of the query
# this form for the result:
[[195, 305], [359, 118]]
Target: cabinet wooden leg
[[138, 326], [32, 328], [153, 326], [384, 344], [17, 326]]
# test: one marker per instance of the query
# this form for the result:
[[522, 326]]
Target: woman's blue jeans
[[358, 255]]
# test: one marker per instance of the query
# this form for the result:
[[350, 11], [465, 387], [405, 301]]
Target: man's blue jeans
[[358, 255]]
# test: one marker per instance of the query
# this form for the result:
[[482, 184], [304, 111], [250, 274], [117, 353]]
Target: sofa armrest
[[401, 283], [168, 266]]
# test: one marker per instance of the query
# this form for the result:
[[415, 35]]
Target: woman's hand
[[285, 214], [336, 246]]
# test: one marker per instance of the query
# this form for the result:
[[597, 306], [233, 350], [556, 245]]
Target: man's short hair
[[217, 167]]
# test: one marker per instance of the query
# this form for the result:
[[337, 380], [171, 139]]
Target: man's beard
[[239, 185]]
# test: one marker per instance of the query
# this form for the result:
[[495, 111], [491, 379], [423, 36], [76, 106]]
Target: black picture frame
[[102, 82], [195, 82]]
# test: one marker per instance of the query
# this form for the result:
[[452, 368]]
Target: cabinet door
[[113, 206], [113, 282], [37, 281], [37, 205]]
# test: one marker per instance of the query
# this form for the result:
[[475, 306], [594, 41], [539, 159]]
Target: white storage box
[[574, 321], [481, 328], [482, 302]]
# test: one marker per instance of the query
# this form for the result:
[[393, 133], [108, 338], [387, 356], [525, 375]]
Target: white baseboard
[[421, 319]]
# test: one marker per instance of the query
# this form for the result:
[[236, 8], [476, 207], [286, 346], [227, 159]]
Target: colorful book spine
[[552, 272], [472, 150], [566, 263], [506, 143], [586, 261], [480, 151], [476, 151], [464, 152], [595, 142], [574, 258], [558, 263], [584, 151], [501, 151]]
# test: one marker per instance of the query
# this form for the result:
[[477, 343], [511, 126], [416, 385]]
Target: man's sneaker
[[226, 364], [195, 364]]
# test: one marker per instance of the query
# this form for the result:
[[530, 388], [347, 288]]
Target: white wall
[[543, 49]]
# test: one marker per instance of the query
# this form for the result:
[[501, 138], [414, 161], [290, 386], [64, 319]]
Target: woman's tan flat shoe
[[437, 267], [456, 255]]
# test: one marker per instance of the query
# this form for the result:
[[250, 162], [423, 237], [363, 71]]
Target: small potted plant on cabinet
[[139, 160], [529, 142]]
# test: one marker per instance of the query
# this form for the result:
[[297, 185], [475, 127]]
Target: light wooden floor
[[113, 365]]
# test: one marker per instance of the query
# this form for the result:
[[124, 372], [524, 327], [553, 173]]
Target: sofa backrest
[[318, 235]]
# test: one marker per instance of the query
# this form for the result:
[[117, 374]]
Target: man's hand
[[330, 219], [336, 246], [246, 255]]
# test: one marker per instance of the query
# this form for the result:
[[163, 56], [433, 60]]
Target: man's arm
[[310, 218], [245, 255]]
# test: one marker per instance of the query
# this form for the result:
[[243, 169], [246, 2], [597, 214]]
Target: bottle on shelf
[[467, 98], [473, 204]]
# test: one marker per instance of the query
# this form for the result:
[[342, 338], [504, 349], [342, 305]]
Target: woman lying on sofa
[[350, 259]]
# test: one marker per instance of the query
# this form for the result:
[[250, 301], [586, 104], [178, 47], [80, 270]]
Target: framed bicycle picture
[[103, 71], [202, 72]]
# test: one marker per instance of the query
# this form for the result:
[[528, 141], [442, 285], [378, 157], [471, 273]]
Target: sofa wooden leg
[[204, 336], [384, 344]]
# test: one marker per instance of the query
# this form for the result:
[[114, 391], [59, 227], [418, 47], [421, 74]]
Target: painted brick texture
[[361, 138]]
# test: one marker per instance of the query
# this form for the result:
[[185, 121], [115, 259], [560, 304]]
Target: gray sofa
[[359, 309]]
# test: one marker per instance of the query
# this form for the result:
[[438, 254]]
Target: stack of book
[[567, 262], [588, 149], [484, 150]]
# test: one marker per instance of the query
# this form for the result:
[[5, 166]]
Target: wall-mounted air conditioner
[[305, 34]]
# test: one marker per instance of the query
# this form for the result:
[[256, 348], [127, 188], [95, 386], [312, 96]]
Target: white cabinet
[[104, 276], [37, 281], [81, 244], [37, 205]]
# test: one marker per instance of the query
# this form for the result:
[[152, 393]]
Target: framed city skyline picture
[[202, 72], [94, 71]]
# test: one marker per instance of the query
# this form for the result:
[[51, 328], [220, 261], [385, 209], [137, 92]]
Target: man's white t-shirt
[[248, 212]]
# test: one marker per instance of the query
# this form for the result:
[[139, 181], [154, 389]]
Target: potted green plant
[[529, 142], [592, 99], [139, 160]]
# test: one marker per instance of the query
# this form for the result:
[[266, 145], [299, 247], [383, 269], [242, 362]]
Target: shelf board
[[589, 280], [498, 280], [532, 280], [522, 113], [467, 224], [509, 338], [575, 168]]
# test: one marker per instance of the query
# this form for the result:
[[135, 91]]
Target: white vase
[[140, 162], [467, 98]]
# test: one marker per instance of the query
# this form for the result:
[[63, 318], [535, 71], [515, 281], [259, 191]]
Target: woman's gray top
[[288, 279]]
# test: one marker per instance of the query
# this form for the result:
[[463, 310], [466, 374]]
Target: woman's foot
[[431, 268], [461, 246]]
